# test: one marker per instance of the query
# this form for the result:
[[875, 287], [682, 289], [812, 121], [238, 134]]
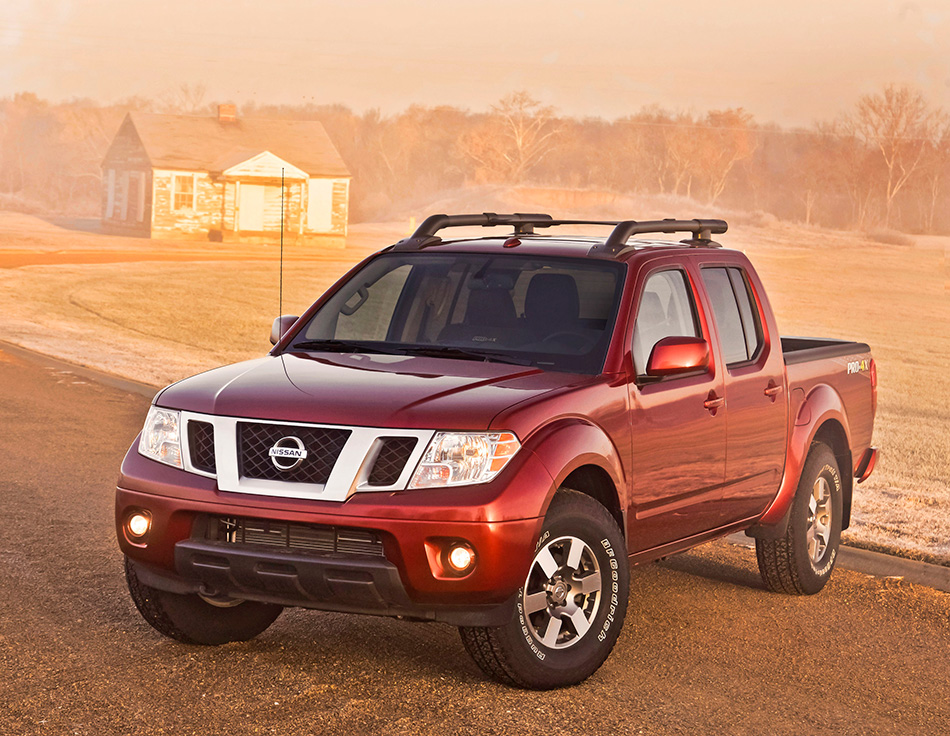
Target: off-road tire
[[786, 564], [192, 620], [513, 653]]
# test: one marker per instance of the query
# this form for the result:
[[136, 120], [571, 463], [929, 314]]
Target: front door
[[251, 208], [678, 444]]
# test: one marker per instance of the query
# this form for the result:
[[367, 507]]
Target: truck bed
[[813, 366]]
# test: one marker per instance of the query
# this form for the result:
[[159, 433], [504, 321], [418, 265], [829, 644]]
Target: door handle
[[713, 402], [772, 390]]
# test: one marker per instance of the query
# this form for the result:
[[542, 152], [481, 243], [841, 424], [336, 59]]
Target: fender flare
[[822, 405], [566, 445]]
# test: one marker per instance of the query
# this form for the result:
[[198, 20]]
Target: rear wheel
[[801, 562], [192, 619], [571, 607]]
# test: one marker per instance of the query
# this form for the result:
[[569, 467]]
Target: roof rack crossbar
[[524, 224], [701, 230], [432, 224]]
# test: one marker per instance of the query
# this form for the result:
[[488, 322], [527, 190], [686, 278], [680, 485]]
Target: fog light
[[461, 557], [138, 524]]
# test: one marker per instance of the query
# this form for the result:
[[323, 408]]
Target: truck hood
[[364, 390]]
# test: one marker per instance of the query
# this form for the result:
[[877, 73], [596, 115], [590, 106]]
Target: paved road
[[706, 650]]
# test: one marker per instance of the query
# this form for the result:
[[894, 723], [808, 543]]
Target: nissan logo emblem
[[287, 453]]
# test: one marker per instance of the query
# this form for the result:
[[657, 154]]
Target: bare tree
[[513, 139], [649, 130], [186, 99], [898, 124], [814, 168], [683, 151], [936, 168], [726, 138]]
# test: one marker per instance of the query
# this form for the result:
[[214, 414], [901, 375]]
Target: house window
[[184, 191]]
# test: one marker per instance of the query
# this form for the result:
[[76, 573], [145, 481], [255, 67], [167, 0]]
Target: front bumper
[[406, 581], [371, 587]]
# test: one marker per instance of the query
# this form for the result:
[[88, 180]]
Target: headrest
[[551, 299], [490, 307]]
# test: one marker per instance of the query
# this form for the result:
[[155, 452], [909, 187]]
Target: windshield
[[554, 313]]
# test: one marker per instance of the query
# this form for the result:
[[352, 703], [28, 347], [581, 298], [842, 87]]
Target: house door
[[251, 208], [320, 205]]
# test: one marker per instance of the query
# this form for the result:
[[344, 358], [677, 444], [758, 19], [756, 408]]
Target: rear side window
[[666, 310], [737, 317]]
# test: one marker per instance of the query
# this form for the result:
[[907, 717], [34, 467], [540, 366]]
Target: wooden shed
[[219, 178]]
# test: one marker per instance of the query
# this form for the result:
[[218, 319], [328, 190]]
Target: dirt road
[[705, 649]]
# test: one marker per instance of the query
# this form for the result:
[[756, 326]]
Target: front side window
[[665, 310], [555, 313], [736, 314], [184, 186]]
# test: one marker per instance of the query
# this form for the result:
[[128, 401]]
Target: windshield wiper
[[342, 346], [439, 351]]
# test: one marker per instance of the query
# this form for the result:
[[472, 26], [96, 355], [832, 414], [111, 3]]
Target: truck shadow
[[724, 571]]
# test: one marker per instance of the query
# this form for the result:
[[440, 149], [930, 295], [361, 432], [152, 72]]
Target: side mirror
[[672, 356], [280, 327]]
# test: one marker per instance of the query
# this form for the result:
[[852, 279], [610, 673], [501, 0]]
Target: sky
[[790, 63]]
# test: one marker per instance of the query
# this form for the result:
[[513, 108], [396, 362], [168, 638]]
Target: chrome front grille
[[323, 446], [259, 456]]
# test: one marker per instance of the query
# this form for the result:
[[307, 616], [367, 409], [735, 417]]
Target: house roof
[[205, 144]]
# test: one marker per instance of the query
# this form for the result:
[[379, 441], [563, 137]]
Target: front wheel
[[192, 619], [571, 607], [800, 563]]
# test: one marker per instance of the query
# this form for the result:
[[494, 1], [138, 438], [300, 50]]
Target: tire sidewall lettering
[[525, 632], [832, 473], [614, 590]]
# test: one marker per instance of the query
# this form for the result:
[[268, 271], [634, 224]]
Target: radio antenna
[[280, 298]]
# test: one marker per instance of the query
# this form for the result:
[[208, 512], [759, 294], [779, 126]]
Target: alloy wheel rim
[[818, 530], [562, 592]]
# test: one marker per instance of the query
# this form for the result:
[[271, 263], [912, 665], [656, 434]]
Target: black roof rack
[[701, 230], [524, 224]]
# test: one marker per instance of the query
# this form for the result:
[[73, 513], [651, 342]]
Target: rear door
[[756, 405], [678, 444]]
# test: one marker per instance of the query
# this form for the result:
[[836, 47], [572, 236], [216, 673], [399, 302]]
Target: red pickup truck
[[487, 432]]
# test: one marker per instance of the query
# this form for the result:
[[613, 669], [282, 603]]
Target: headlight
[[161, 439], [456, 459]]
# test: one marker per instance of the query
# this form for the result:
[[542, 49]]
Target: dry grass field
[[158, 310]]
